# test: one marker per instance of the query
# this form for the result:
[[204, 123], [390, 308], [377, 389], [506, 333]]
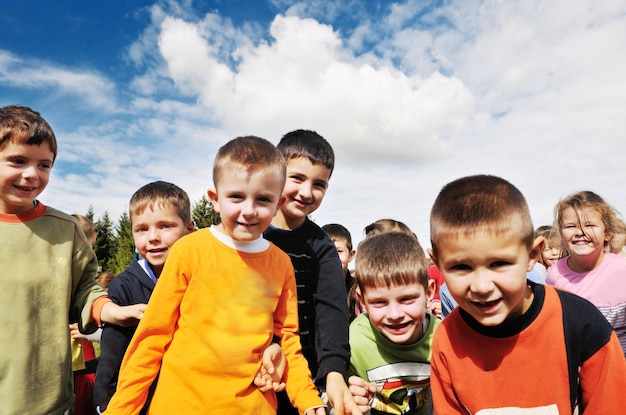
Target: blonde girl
[[586, 222]]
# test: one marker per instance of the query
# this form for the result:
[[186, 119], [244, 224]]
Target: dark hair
[[473, 202], [161, 194], [309, 144], [337, 231], [22, 125]]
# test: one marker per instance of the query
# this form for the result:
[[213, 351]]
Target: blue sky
[[410, 94]]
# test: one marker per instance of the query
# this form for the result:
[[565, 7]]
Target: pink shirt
[[604, 286]]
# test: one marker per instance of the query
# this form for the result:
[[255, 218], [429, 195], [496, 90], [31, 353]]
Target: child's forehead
[[18, 148], [384, 285], [306, 162], [153, 208]]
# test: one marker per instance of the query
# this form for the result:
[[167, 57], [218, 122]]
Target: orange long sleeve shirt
[[211, 315]]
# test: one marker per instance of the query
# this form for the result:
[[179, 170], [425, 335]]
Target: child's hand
[[339, 396], [125, 316], [272, 369], [74, 333], [435, 308], [362, 392], [316, 411]]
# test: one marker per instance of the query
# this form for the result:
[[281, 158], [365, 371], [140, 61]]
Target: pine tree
[[203, 213], [90, 214], [105, 241], [125, 246]]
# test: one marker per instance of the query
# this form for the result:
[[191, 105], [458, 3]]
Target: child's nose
[[248, 208], [29, 172], [481, 283], [154, 234], [306, 191], [394, 311]]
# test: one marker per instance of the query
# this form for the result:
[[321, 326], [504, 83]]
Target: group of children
[[250, 316]]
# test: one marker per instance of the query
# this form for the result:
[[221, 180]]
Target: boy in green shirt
[[391, 342]]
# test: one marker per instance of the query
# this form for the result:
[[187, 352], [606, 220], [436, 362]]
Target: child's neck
[[585, 263], [280, 221]]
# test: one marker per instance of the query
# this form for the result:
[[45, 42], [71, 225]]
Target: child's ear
[[535, 252], [430, 291], [352, 254], [212, 193], [281, 203], [191, 226]]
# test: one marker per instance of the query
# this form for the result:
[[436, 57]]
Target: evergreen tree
[[105, 241], [125, 246], [203, 213], [90, 214]]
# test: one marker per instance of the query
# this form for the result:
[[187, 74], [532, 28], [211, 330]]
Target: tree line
[[114, 246]]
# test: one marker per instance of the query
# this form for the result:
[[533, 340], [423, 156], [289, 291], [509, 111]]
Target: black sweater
[[322, 306]]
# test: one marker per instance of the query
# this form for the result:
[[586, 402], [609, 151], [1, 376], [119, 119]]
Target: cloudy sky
[[410, 94]]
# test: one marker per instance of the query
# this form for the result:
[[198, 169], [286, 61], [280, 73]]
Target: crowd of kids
[[261, 313]]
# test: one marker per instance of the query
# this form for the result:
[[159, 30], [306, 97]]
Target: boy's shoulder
[[131, 286]]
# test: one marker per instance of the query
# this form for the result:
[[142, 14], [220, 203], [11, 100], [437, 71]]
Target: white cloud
[[31, 74], [531, 91]]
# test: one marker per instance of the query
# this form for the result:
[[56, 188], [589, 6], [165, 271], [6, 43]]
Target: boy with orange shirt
[[512, 346], [224, 294]]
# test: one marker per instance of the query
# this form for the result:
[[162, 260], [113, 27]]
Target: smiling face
[[304, 191], [583, 232], [486, 273], [397, 312], [24, 174], [550, 255], [155, 230], [246, 201]]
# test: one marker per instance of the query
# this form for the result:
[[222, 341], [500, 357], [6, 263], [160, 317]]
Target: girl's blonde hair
[[588, 200]]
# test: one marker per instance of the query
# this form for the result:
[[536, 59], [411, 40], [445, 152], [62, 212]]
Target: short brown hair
[[22, 125], [390, 258], [480, 202], [252, 154], [387, 225], [160, 194]]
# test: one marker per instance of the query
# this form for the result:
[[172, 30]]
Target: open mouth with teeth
[[487, 304]]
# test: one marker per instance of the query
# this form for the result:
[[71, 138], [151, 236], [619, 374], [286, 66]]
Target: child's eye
[[16, 161], [408, 300], [320, 185], [45, 165], [296, 178], [460, 267], [498, 264]]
